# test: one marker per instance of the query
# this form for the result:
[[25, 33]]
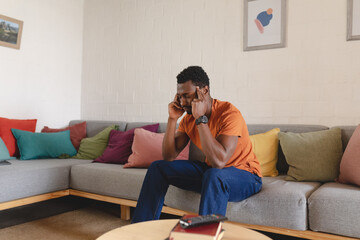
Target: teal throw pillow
[[43, 145], [4, 152]]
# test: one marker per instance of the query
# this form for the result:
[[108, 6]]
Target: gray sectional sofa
[[311, 210]]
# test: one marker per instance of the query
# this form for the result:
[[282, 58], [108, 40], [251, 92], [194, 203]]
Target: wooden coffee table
[[160, 229]]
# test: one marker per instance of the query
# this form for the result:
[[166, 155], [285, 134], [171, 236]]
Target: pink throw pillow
[[147, 148], [350, 162]]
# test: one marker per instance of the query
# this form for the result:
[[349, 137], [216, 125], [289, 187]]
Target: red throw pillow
[[147, 147], [77, 133], [350, 162], [7, 136]]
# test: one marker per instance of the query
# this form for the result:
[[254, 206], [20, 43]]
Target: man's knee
[[156, 163], [214, 178]]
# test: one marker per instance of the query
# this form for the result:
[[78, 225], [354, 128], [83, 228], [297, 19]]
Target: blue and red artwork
[[263, 19]]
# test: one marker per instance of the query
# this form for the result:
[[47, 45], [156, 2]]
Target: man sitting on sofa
[[231, 171]]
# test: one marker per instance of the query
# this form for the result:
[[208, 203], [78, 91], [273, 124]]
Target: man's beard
[[188, 110]]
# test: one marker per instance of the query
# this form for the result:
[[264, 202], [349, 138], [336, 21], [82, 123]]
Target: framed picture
[[264, 24], [353, 20], [10, 32]]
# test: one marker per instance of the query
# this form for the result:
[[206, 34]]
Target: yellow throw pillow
[[265, 147]]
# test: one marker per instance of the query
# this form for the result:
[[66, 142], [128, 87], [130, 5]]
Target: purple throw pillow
[[118, 149]]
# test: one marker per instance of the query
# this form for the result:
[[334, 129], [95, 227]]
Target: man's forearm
[[169, 150], [213, 150]]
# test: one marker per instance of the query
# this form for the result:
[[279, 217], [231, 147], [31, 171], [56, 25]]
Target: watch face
[[202, 119]]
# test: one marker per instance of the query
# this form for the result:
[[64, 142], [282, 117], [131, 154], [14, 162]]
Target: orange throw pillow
[[6, 135], [77, 133], [147, 148], [350, 162]]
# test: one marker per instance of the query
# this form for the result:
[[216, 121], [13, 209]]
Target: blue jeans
[[217, 187]]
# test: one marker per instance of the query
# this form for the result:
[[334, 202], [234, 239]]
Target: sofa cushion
[[346, 134], [147, 148], [77, 133], [313, 156], [93, 147], [33, 177], [108, 179], [118, 149], [350, 162], [7, 136], [334, 208], [282, 165], [43, 145], [265, 147], [280, 203], [4, 152]]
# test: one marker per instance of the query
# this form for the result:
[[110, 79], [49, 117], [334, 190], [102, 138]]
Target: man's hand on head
[[199, 105], [175, 109]]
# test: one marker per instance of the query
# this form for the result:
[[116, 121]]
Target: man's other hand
[[199, 104]]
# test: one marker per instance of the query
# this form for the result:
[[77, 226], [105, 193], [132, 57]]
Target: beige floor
[[81, 224]]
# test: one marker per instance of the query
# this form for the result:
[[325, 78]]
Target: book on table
[[212, 231]]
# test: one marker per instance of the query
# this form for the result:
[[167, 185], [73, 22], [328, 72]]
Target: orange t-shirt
[[226, 119]]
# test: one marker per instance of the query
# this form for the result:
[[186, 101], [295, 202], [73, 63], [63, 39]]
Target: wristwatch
[[202, 119]]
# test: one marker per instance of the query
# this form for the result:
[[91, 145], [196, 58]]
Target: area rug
[[81, 224]]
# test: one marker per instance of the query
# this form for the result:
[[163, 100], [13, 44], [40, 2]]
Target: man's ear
[[205, 90]]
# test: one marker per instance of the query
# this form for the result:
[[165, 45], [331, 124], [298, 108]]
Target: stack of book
[[211, 231]]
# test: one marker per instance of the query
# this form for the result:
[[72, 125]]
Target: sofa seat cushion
[[335, 208], [108, 179], [33, 177], [280, 203]]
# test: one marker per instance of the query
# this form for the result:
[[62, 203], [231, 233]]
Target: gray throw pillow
[[313, 156]]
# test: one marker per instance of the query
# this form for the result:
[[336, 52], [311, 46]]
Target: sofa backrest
[[131, 125], [94, 127]]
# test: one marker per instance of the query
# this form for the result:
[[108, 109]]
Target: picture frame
[[353, 20], [264, 24], [10, 32]]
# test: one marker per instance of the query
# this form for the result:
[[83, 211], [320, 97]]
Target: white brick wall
[[42, 79], [133, 50]]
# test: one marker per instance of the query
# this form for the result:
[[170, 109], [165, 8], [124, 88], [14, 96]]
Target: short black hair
[[194, 73]]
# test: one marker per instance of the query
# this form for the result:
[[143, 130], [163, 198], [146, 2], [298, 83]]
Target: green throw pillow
[[93, 147], [313, 156]]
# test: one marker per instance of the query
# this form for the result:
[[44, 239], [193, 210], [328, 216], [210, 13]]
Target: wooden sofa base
[[125, 213], [33, 199]]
